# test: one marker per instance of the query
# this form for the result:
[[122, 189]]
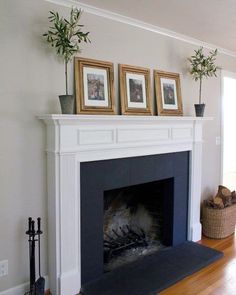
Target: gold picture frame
[[94, 86], [135, 90], [168, 93]]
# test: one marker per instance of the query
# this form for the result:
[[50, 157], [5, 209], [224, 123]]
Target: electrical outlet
[[3, 268]]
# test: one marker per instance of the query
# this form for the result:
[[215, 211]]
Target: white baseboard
[[21, 289]]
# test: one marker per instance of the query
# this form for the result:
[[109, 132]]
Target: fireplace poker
[[40, 283]]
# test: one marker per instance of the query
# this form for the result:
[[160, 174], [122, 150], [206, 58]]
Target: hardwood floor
[[218, 278]]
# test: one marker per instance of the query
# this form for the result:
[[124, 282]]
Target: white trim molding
[[231, 75], [140, 24], [72, 139]]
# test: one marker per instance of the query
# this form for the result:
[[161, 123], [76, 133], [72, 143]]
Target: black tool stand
[[36, 287]]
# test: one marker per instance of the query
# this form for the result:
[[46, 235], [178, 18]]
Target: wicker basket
[[218, 223]]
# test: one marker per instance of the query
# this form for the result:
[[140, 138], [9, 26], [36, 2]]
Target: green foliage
[[66, 35], [202, 65]]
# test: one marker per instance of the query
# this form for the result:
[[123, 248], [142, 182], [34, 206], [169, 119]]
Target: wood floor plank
[[219, 278]]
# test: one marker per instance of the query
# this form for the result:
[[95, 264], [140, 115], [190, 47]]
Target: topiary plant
[[203, 66], [66, 36]]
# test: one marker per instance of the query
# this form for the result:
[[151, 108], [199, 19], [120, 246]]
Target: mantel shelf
[[117, 118]]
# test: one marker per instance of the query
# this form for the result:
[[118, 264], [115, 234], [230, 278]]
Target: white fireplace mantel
[[72, 139]]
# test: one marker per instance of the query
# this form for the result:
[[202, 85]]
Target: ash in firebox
[[132, 254]]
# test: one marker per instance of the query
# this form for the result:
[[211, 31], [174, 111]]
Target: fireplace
[[144, 199], [94, 159]]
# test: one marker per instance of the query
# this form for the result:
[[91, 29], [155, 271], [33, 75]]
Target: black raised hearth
[[156, 272]]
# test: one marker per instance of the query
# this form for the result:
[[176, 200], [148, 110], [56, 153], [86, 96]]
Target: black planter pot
[[67, 104], [199, 109]]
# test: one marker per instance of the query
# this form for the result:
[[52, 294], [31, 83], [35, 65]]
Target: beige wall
[[31, 79]]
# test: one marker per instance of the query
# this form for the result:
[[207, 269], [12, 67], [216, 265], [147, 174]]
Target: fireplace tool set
[[36, 287]]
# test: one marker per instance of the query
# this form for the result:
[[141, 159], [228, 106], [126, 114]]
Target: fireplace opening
[[134, 223]]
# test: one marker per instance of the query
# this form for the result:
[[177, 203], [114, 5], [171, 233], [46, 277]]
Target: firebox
[[136, 222], [130, 208]]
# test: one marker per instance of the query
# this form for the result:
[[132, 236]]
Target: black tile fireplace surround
[[100, 176]]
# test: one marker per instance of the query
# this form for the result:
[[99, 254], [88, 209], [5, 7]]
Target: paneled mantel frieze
[[87, 133], [72, 139]]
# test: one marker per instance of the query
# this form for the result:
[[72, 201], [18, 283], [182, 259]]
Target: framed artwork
[[168, 93], [94, 86], [135, 90]]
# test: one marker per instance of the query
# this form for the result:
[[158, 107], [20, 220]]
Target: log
[[223, 197]]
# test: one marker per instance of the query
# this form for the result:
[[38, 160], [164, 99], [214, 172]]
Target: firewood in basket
[[218, 202], [233, 197], [225, 194], [224, 190]]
